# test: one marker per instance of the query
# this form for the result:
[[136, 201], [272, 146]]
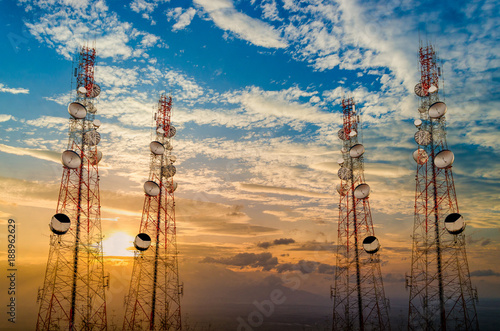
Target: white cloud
[[182, 17], [225, 16], [19, 90]]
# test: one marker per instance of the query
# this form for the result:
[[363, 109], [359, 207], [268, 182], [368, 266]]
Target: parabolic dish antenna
[[371, 244], [151, 188], [168, 146], [156, 148], [353, 133], [172, 158], [454, 223], [362, 191], [437, 109], [419, 90], [71, 159], [94, 91], [417, 122], [91, 138], [343, 150], [97, 123], [82, 90], [95, 157], [172, 131], [344, 173], [59, 224], [171, 187], [342, 189], [142, 241], [340, 160], [422, 109], [432, 89], [356, 151], [341, 135], [77, 110], [168, 171], [420, 156], [423, 137], [444, 159], [90, 106]]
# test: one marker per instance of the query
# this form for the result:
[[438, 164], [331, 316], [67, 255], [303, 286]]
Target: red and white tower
[[153, 301], [441, 294], [358, 293], [73, 293]]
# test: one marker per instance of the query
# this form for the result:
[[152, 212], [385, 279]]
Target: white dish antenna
[[151, 188], [77, 110], [157, 148], [97, 123], [371, 244], [172, 158], [353, 133], [362, 191], [437, 109], [168, 146], [60, 224], [95, 157], [82, 90], [454, 223], [444, 159], [71, 159], [343, 150], [90, 106], [341, 135], [420, 156], [356, 151], [171, 187], [160, 130], [168, 171], [172, 131], [342, 189], [432, 89], [142, 241], [422, 110], [423, 137], [340, 160], [418, 123], [91, 138], [344, 173]]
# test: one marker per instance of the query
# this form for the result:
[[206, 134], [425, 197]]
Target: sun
[[117, 244]]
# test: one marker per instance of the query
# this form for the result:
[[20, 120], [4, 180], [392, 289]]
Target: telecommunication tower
[[441, 294], [73, 293], [358, 293], [153, 301]]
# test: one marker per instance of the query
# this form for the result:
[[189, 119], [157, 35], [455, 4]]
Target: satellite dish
[[371, 244], [171, 187], [342, 189], [356, 151], [422, 110], [418, 123], [341, 134], [419, 90], [454, 223], [168, 171], [94, 92], [420, 156], [97, 123], [343, 150], [90, 106], [82, 90], [77, 110], [71, 159], [91, 138], [168, 146], [95, 157], [59, 224], [444, 159], [353, 133], [142, 241], [344, 173], [172, 131], [437, 109], [423, 137], [172, 158], [362, 191], [340, 160], [432, 89], [151, 188], [157, 148]]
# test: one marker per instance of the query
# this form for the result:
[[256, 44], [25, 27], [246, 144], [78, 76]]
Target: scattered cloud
[[181, 17], [263, 260], [281, 241], [12, 90], [484, 273]]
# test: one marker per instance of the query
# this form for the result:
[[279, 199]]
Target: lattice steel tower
[[358, 293], [73, 294], [153, 301], [441, 294]]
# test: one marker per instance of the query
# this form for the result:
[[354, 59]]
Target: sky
[[256, 88]]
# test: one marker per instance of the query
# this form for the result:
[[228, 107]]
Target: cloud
[[281, 190], [281, 241], [182, 17], [225, 16], [484, 273], [242, 260], [46, 155], [20, 90], [307, 267]]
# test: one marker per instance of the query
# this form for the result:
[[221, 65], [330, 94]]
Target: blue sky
[[256, 88]]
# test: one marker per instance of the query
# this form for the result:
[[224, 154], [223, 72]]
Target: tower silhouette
[[153, 301], [73, 293], [358, 293], [441, 294]]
